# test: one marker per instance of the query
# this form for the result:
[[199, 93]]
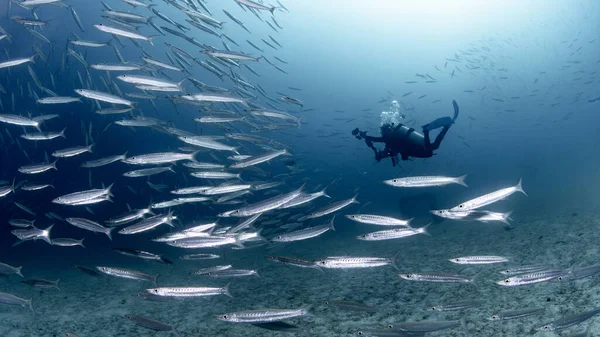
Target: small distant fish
[[41, 283], [533, 277], [568, 321], [425, 326], [514, 314], [455, 306], [479, 259], [354, 306], [436, 277], [149, 323]]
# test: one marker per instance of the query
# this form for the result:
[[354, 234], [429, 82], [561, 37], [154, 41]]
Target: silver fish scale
[[535, 277], [207, 270], [331, 208], [128, 217], [87, 224], [482, 259], [303, 234], [147, 224], [436, 277], [126, 273], [266, 205], [396, 233], [341, 262], [186, 291], [82, 196], [262, 316], [456, 305], [202, 242], [258, 159], [102, 161], [232, 273], [158, 158], [225, 189], [525, 269], [377, 220]]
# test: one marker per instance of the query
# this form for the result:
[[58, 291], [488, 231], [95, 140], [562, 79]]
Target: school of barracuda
[[118, 88]]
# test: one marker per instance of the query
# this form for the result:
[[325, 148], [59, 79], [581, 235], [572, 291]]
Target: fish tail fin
[[154, 280], [226, 290], [506, 217], [46, 234], [193, 156], [56, 284], [307, 310], [90, 148], [62, 133], [354, 201], [519, 187], [109, 233], [30, 305], [461, 180], [81, 243], [272, 9], [180, 83], [331, 223], [18, 271], [32, 58], [324, 192], [150, 40], [393, 260], [54, 165], [107, 190], [424, 229]]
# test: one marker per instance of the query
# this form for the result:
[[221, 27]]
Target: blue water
[[528, 110]]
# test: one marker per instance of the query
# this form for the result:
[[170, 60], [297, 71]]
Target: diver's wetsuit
[[400, 139]]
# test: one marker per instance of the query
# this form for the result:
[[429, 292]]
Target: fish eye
[[360, 333], [507, 281], [322, 262], [395, 180], [155, 290], [460, 206], [457, 260], [390, 326], [364, 235], [224, 316], [494, 316], [327, 302]]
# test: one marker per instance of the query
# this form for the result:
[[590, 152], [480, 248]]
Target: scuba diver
[[405, 141]]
